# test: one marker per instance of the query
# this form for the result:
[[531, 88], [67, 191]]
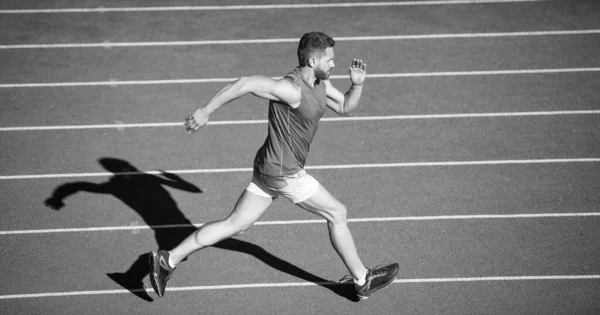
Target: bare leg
[[247, 210], [327, 206]]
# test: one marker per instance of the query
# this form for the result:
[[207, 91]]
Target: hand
[[55, 204], [198, 119], [358, 71], [171, 176]]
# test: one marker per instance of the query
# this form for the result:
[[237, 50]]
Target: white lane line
[[329, 119], [513, 278], [303, 284], [313, 167], [295, 222], [259, 7], [376, 75], [295, 40], [122, 126]]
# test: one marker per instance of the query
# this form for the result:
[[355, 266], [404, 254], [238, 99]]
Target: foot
[[377, 279], [160, 271]]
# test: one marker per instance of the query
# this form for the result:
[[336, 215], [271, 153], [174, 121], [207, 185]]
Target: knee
[[238, 228], [339, 215]]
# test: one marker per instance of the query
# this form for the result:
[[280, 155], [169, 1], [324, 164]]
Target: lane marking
[[313, 167], [296, 222], [302, 284], [259, 7], [295, 40], [122, 126], [377, 75]]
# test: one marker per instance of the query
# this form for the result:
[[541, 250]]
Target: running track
[[474, 161]]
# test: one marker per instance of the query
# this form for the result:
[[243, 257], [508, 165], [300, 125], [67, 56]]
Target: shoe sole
[[364, 297], [153, 281]]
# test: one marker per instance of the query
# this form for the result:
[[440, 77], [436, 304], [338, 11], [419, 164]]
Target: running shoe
[[160, 271], [377, 279]]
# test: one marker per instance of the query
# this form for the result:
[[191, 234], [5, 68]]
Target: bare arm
[[344, 104], [281, 90]]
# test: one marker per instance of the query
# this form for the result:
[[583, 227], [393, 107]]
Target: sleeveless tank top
[[291, 130]]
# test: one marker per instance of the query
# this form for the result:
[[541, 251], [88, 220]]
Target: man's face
[[324, 64]]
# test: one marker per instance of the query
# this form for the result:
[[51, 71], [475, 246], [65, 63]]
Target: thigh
[[323, 203], [249, 208]]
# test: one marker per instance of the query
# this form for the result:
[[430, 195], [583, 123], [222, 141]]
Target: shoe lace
[[378, 273], [346, 279], [379, 270]]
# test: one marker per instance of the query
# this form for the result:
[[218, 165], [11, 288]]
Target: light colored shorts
[[296, 188]]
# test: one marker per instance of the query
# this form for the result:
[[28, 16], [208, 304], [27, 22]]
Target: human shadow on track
[[146, 195], [345, 290]]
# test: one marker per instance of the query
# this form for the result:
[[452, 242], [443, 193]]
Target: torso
[[291, 130]]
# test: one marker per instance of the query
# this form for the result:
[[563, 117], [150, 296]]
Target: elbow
[[241, 81], [240, 86], [346, 110]]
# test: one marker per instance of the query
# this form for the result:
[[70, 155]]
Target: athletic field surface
[[473, 159]]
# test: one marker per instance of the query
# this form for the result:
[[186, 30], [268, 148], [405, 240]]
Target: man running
[[296, 104]]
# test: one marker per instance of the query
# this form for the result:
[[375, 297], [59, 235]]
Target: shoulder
[[289, 82], [289, 86], [281, 90], [293, 92], [274, 89]]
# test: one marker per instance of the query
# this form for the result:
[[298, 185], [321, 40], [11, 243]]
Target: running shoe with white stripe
[[160, 271], [377, 279]]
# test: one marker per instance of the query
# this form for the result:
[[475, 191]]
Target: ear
[[312, 62]]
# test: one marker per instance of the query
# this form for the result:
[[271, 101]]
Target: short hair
[[313, 43]]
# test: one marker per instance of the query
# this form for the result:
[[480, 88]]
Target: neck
[[309, 75]]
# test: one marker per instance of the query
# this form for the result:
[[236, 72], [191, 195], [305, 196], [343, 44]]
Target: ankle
[[363, 279], [171, 261]]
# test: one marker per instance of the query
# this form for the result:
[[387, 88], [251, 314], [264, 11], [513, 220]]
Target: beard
[[321, 75]]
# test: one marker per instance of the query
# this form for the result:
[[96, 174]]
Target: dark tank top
[[291, 130]]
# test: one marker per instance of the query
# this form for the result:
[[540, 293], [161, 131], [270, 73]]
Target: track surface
[[505, 238]]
